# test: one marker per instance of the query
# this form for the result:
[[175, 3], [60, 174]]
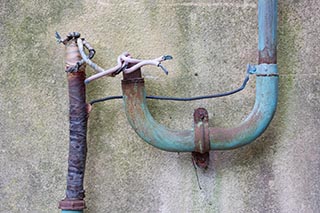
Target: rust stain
[[201, 130], [201, 138], [268, 56], [78, 116], [138, 115]]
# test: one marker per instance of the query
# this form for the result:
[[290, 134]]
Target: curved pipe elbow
[[146, 127], [167, 139], [257, 121]]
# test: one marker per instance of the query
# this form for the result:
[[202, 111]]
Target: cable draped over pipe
[[253, 126]]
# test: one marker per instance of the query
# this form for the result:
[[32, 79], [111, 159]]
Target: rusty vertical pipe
[[78, 115], [267, 15]]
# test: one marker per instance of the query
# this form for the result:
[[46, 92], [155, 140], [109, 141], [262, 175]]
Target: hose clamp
[[263, 69]]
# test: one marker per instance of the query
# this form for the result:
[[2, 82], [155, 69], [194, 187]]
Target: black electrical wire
[[181, 99], [106, 99]]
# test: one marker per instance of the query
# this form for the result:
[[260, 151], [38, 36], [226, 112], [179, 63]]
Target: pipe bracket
[[201, 137], [263, 69]]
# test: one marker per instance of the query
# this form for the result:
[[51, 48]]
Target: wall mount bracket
[[201, 138]]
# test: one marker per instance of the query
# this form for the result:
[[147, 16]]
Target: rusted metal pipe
[[268, 13], [152, 132], [253, 126], [78, 115], [142, 121], [256, 122]]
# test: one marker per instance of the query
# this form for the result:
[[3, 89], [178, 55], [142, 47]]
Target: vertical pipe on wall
[[78, 130], [267, 17], [78, 115], [266, 85]]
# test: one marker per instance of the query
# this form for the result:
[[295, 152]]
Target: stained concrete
[[211, 41]]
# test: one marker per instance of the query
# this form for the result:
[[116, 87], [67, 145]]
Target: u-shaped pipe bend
[[157, 135]]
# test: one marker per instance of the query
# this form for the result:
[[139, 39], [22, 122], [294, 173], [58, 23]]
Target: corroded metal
[[72, 55], [143, 123], [253, 126], [78, 114], [201, 130], [201, 160], [152, 132], [72, 204], [201, 137], [267, 11], [78, 135]]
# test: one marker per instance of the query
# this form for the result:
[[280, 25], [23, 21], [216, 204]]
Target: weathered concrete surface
[[211, 41]]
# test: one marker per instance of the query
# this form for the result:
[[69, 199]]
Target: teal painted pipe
[[267, 19], [147, 128], [253, 126], [167, 139], [257, 121]]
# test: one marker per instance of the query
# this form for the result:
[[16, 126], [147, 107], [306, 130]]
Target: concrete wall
[[211, 41]]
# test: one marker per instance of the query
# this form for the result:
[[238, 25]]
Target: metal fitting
[[201, 137], [72, 204], [263, 69]]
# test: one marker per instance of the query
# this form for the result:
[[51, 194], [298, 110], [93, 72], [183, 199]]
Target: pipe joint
[[73, 205], [263, 69]]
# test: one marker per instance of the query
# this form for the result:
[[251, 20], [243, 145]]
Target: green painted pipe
[[253, 126], [167, 139]]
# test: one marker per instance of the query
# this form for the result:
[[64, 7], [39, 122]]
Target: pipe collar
[[263, 69]]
